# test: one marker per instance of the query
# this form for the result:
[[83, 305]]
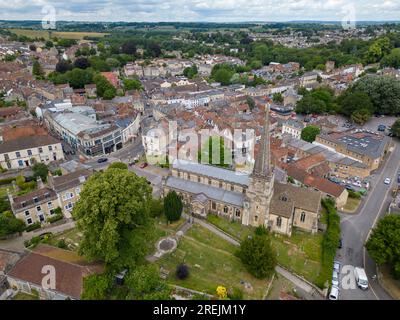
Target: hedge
[[55, 218], [33, 226], [6, 181], [330, 242]]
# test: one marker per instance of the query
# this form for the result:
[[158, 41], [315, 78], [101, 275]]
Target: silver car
[[335, 279], [334, 294], [336, 266]]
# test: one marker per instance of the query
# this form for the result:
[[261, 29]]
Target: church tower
[[260, 191]]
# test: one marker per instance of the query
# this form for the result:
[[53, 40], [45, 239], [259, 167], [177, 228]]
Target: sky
[[202, 10]]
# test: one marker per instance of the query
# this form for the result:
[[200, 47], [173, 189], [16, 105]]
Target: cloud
[[200, 10]]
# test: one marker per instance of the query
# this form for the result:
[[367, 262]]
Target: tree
[[309, 104], [63, 66], [82, 63], [154, 50], [118, 165], [395, 129], [182, 271], [392, 59], [173, 206], [78, 78], [4, 205], [128, 47], [104, 88], [257, 254], [95, 287], [32, 47], [132, 84], [277, 98], [350, 102], [40, 170], [361, 116], [310, 133], [113, 216], [250, 102], [144, 283], [9, 224], [157, 208], [37, 69], [384, 243], [190, 72], [383, 91], [49, 44], [223, 76]]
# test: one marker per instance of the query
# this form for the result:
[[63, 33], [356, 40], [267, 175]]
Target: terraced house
[[25, 152]]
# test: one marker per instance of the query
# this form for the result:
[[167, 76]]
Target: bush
[[62, 244], [157, 208], [235, 294], [9, 224], [33, 226], [55, 218], [354, 195], [182, 272], [6, 181], [118, 165]]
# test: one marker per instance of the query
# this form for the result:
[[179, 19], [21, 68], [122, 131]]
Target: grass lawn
[[301, 253], [24, 296], [235, 229], [352, 205], [164, 228], [211, 263], [279, 285]]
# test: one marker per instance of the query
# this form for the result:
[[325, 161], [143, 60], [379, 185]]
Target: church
[[252, 199]]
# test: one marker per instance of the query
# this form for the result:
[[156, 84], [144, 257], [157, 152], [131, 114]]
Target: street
[[356, 228]]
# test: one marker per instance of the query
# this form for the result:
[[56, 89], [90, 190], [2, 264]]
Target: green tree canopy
[[395, 129], [384, 243], [113, 215], [258, 255], [9, 224], [40, 170], [310, 133], [173, 206], [96, 287], [118, 165]]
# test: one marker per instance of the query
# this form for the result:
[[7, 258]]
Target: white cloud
[[200, 10]]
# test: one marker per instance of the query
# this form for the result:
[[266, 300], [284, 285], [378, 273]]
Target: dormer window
[[284, 198], [35, 199]]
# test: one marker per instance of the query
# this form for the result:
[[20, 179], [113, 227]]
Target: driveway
[[356, 229]]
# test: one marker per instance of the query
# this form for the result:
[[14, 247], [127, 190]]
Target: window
[[303, 217], [35, 199], [29, 221], [232, 187], [220, 185], [39, 208], [52, 212], [50, 148], [279, 222], [78, 191], [226, 209], [27, 213], [40, 150], [29, 152], [50, 205], [255, 218], [214, 206], [18, 154], [198, 179], [69, 206], [209, 182], [237, 213], [20, 163]]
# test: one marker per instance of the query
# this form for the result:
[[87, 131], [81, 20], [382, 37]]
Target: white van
[[361, 278], [334, 294]]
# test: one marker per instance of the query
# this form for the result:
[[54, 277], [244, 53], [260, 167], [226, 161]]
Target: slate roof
[[212, 172], [213, 193], [70, 180], [27, 143]]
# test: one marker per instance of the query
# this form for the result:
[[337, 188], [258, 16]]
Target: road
[[356, 229]]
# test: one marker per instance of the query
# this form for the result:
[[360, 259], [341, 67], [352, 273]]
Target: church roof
[[212, 172], [212, 193]]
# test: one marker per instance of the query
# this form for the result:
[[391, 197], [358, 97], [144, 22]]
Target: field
[[212, 263], [55, 34]]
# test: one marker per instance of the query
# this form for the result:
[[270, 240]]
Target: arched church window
[[238, 213], [303, 217], [226, 209], [279, 222]]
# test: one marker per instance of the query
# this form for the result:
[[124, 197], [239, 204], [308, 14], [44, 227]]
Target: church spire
[[262, 164]]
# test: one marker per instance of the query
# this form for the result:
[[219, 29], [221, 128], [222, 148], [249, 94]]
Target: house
[[68, 188], [112, 78], [90, 90], [36, 206], [292, 127], [25, 152], [130, 127], [309, 79], [66, 269]]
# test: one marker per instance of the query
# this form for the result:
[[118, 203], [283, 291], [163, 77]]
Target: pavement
[[356, 229]]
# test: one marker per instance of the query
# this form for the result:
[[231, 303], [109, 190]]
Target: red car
[[144, 165]]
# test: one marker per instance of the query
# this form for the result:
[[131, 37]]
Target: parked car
[[334, 294], [335, 279], [361, 278], [102, 160], [144, 165], [387, 181], [398, 178], [340, 246], [381, 128], [336, 266]]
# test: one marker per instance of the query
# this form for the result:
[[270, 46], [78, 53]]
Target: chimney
[[40, 183], [82, 179]]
